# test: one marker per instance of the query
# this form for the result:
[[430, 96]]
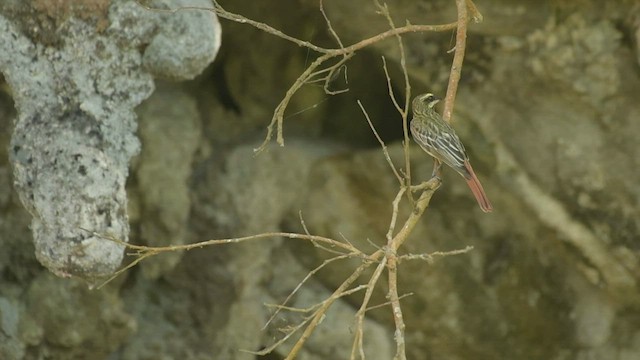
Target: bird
[[438, 139]]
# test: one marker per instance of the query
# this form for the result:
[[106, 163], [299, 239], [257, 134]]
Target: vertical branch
[[393, 244], [394, 299], [404, 110], [358, 340], [458, 57], [405, 121], [394, 214]]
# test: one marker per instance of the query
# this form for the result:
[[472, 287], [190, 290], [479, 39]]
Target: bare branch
[[404, 110], [326, 19], [326, 68], [295, 290], [387, 303], [221, 12], [394, 214], [399, 108], [288, 334], [430, 257], [396, 310], [420, 206], [359, 333], [315, 321], [458, 57], [347, 52]]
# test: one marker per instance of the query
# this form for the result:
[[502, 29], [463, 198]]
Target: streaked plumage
[[436, 137]]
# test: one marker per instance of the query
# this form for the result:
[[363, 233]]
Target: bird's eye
[[429, 98]]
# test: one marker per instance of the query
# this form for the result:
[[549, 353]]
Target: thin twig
[[278, 114], [396, 309], [430, 256], [381, 142], [304, 280], [404, 110], [316, 244], [386, 257], [143, 252], [420, 206], [334, 72], [387, 303], [201, 244], [394, 214], [290, 332], [292, 308], [320, 313], [400, 109], [359, 332], [345, 239], [397, 241], [221, 12], [331, 31], [135, 262], [345, 52]]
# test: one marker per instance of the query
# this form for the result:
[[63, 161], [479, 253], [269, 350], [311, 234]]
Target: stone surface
[[69, 316], [169, 129], [71, 143], [75, 90], [253, 181], [547, 109], [185, 41]]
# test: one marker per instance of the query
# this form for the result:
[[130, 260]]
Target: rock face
[[547, 109], [170, 133], [74, 134], [71, 143]]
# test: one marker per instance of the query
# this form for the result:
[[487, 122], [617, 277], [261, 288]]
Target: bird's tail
[[476, 189]]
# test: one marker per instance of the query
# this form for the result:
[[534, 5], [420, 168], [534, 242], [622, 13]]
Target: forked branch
[[323, 69]]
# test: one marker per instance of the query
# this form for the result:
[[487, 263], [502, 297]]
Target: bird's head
[[424, 103]]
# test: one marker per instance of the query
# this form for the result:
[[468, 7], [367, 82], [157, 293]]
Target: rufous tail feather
[[477, 190]]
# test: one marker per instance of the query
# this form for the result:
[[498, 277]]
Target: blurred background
[[548, 108]]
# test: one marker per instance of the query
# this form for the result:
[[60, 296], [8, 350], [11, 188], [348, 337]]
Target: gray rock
[[186, 42], [11, 346], [170, 134], [74, 135], [72, 142]]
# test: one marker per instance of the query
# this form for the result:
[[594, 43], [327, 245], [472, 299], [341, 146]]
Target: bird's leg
[[436, 168]]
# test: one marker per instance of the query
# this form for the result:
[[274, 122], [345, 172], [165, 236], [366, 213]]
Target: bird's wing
[[440, 142], [451, 149]]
